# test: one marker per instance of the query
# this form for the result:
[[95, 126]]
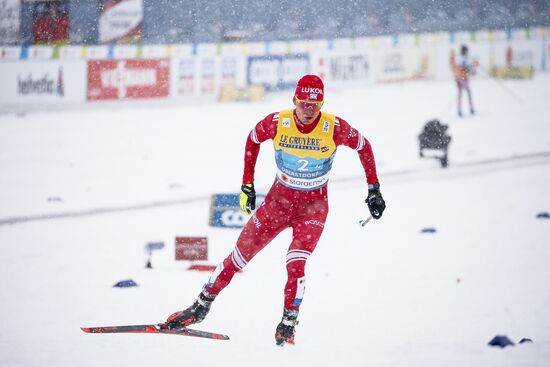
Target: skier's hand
[[248, 198], [375, 201]]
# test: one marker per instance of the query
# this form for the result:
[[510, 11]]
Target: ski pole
[[363, 222]]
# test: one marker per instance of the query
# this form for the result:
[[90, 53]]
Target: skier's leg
[[262, 227], [459, 101], [307, 232], [470, 99]]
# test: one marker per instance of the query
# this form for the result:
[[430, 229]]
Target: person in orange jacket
[[462, 70]]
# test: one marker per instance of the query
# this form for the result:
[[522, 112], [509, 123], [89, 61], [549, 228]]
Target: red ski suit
[[304, 211]]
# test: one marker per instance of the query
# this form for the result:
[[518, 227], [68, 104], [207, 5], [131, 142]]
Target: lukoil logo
[[312, 90]]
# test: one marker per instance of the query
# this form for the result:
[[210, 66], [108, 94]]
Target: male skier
[[305, 141]]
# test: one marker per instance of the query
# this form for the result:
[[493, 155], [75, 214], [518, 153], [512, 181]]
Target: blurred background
[[61, 53], [177, 21]]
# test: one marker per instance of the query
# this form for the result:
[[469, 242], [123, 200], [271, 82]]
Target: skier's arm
[[264, 130], [346, 135]]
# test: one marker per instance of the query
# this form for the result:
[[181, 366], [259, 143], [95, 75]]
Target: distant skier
[[305, 141], [462, 70]]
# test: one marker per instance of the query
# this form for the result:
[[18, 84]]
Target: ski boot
[[285, 330], [192, 315]]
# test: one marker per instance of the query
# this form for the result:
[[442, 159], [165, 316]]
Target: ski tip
[[85, 329]]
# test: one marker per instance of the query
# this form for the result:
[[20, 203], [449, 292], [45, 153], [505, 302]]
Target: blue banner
[[277, 72], [226, 212]]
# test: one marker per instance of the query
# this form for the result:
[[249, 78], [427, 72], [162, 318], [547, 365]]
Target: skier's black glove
[[248, 198], [375, 201]]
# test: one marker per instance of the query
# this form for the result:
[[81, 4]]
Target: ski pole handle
[[364, 222]]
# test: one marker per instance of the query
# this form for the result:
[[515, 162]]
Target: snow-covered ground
[[382, 295]]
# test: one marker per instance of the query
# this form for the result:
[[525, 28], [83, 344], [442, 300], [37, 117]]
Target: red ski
[[154, 329]]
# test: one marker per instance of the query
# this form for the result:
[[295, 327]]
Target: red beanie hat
[[310, 88]]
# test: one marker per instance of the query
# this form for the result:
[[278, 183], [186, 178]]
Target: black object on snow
[[428, 230], [501, 341], [525, 340], [543, 215], [125, 284], [434, 137]]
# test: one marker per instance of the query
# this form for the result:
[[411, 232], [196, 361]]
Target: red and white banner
[[121, 79], [191, 248]]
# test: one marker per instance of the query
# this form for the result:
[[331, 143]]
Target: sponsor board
[[226, 212], [191, 248], [277, 72], [186, 76], [515, 60], [120, 21], [514, 54], [408, 63], [343, 67], [45, 81], [208, 75], [348, 68], [229, 70], [231, 93], [120, 79]]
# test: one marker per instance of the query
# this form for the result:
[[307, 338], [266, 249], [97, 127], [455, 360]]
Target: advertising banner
[[191, 248], [343, 67], [516, 60], [276, 72], [407, 63], [185, 76], [9, 21], [120, 21], [225, 210], [229, 70], [52, 82], [120, 79], [208, 75]]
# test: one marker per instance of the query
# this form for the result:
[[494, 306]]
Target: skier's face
[[307, 111]]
